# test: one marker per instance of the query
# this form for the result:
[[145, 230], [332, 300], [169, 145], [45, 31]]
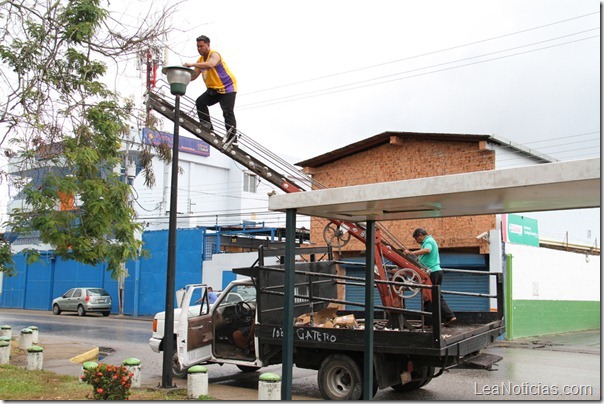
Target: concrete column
[[6, 331], [87, 366], [4, 353], [269, 387], [34, 333], [25, 340], [35, 358], [197, 381], [133, 365]]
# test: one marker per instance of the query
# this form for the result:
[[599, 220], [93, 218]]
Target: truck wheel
[[247, 369], [340, 378], [423, 375], [176, 371]]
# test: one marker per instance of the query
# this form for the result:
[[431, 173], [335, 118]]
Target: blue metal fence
[[35, 285]]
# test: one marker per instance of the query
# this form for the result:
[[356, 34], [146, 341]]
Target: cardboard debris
[[327, 318]]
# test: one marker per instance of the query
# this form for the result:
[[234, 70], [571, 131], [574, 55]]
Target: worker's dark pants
[[227, 103], [437, 277]]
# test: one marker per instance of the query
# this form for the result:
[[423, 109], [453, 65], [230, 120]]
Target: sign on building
[[185, 144], [520, 230]]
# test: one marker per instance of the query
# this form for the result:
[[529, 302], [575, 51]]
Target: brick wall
[[408, 158]]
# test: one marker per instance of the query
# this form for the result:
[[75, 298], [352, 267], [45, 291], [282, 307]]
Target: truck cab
[[225, 333]]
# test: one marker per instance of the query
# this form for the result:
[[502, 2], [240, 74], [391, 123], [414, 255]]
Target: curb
[[86, 356]]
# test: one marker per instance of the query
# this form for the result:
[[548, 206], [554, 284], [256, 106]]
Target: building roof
[[384, 138], [534, 188]]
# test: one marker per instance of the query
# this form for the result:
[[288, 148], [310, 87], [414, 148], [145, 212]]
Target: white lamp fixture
[[178, 77]]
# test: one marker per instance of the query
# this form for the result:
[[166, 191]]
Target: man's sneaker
[[450, 322], [230, 133]]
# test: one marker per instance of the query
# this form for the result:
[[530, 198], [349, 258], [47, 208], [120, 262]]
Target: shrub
[[109, 382]]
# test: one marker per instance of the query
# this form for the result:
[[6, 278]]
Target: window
[[249, 182]]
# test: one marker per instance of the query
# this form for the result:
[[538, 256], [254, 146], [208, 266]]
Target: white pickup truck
[[194, 293], [244, 327]]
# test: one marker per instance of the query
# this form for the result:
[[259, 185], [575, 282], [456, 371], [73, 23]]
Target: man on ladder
[[221, 88]]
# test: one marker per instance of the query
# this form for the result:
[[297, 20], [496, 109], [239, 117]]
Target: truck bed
[[456, 341]]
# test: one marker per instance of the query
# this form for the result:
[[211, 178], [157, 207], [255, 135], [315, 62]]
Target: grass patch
[[17, 383]]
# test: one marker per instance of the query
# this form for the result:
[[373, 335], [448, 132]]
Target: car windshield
[[98, 292]]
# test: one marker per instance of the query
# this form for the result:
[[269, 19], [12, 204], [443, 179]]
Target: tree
[[63, 126]]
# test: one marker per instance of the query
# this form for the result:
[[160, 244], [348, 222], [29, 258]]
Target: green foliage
[[67, 128], [109, 382], [6, 259]]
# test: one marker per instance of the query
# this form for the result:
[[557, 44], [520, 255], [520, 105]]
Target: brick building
[[394, 156]]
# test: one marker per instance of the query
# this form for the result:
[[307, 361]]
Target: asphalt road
[[558, 367]]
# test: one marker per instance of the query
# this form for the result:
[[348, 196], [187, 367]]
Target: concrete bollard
[[133, 365], [6, 331], [35, 358], [25, 341], [4, 353], [197, 381], [34, 333], [269, 387], [87, 366]]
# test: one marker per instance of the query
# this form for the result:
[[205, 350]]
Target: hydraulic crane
[[289, 179]]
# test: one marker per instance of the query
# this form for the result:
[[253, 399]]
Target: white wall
[[210, 192], [546, 274], [577, 226], [213, 269]]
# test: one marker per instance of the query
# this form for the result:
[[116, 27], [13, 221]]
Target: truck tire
[[340, 378], [176, 371], [423, 375]]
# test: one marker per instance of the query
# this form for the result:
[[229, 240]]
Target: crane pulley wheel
[[336, 235], [408, 276]]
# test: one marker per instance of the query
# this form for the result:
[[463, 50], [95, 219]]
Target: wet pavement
[[550, 360]]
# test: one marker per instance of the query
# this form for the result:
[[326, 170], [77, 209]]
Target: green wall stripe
[[541, 317], [508, 312]]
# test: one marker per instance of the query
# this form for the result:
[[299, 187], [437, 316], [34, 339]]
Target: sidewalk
[[66, 358]]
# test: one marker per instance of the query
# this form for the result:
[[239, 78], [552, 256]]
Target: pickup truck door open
[[195, 328]]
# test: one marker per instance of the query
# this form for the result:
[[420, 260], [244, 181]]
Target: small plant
[[109, 382]]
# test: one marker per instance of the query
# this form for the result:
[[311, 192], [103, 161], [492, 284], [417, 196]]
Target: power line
[[421, 55], [359, 84]]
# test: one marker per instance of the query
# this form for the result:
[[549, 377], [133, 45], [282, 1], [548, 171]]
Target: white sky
[[362, 68], [314, 76], [530, 97]]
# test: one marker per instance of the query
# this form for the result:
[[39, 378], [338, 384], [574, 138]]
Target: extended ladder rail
[[246, 159], [272, 173]]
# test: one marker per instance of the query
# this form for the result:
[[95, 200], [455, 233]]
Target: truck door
[[195, 328]]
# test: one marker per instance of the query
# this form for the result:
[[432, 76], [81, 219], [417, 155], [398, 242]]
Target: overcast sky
[[315, 75], [527, 70]]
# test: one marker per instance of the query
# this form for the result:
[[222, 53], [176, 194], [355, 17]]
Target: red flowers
[[109, 382]]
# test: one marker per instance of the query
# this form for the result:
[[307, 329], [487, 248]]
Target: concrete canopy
[[543, 187]]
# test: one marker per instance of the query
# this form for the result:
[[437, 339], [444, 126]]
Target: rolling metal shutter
[[451, 281]]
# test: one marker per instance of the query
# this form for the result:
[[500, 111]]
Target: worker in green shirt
[[428, 255]]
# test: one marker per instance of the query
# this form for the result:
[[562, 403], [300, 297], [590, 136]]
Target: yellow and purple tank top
[[219, 78]]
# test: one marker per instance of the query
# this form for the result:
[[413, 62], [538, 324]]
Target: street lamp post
[[178, 77]]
